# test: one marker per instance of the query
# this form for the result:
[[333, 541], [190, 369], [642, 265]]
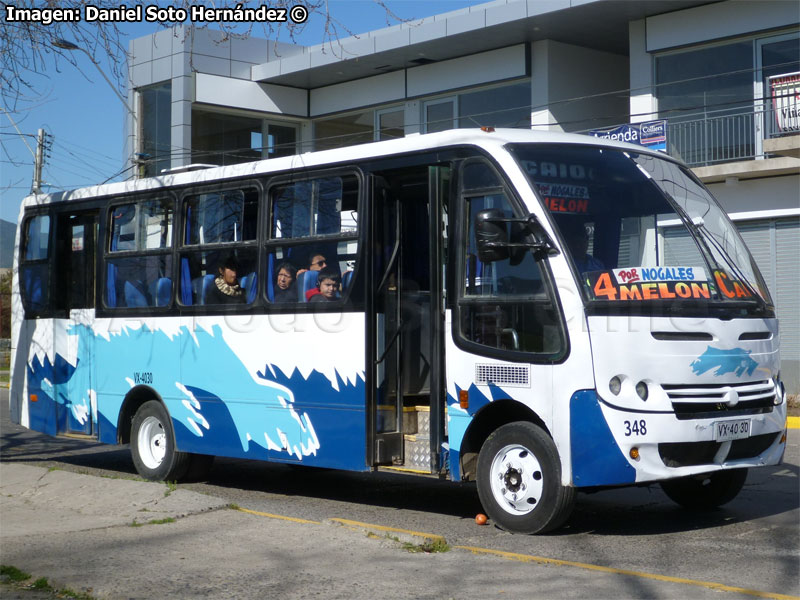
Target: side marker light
[[634, 453], [34, 398], [463, 399]]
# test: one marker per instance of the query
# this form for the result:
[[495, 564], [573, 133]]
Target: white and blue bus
[[539, 313]]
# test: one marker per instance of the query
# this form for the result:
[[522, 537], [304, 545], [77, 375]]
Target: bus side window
[[314, 226], [219, 232], [34, 265], [200, 273], [139, 266], [504, 304]]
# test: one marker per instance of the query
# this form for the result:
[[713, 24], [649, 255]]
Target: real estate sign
[[652, 134], [785, 95]]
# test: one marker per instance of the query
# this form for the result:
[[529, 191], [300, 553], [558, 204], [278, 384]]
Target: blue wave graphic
[[217, 406], [735, 360]]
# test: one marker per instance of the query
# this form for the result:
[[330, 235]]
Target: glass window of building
[[344, 130], [440, 115], [707, 82], [708, 96], [391, 123], [508, 106], [225, 139], [155, 118]]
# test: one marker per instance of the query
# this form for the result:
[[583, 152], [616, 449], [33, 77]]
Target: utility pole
[[42, 145]]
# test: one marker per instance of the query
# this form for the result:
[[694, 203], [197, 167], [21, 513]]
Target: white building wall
[[715, 21], [575, 88], [250, 95], [472, 70], [759, 198], [383, 88]]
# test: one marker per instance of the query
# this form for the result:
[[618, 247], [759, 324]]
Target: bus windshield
[[640, 228]]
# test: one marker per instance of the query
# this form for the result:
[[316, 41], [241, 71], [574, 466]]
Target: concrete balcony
[[784, 146]]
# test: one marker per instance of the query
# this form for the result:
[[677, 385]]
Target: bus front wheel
[[706, 491], [153, 445], [519, 480]]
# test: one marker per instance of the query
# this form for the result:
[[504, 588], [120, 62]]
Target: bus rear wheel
[[153, 445], [702, 492], [519, 480]]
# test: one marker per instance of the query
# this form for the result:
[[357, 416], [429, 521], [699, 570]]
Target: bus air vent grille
[[507, 375]]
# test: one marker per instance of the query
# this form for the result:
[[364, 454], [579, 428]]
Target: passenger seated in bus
[[226, 288], [285, 283], [316, 263], [328, 284], [577, 238]]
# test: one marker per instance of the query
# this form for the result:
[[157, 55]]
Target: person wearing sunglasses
[[317, 262]]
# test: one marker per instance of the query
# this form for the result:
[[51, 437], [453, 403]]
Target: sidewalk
[[120, 538]]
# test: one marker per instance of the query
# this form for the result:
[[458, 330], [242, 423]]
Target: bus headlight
[[615, 385], [780, 393], [641, 390]]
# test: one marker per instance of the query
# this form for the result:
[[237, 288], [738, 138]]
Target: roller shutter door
[[787, 237], [775, 246]]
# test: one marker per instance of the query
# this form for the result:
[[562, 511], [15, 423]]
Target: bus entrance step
[[417, 452], [417, 420]]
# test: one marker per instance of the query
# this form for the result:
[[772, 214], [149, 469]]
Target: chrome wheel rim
[[152, 442], [517, 480]]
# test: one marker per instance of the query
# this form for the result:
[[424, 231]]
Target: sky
[[84, 116]]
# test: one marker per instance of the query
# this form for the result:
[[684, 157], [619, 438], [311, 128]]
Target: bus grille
[[690, 454], [508, 375], [713, 400]]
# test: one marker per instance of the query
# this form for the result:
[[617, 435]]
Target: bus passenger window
[[139, 281], [218, 262], [323, 206], [138, 263], [218, 277], [34, 265], [221, 217], [314, 229]]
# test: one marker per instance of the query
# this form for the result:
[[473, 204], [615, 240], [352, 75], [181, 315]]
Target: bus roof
[[486, 138]]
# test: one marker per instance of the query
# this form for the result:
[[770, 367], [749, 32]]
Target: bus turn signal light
[[34, 398], [634, 453], [463, 399]]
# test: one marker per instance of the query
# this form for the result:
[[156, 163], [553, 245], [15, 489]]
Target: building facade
[[724, 75]]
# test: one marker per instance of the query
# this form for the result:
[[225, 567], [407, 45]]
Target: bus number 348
[[635, 428]]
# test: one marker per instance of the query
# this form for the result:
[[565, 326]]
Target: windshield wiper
[[731, 263]]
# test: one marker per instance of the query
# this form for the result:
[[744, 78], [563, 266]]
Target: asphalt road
[[750, 547]]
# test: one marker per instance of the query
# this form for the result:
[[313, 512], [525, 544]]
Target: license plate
[[724, 431]]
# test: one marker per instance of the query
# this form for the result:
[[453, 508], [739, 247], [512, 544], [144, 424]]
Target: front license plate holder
[[736, 429]]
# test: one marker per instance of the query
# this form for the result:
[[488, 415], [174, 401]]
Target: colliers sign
[[652, 134]]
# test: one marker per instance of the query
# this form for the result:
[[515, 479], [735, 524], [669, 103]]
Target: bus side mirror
[[491, 236]]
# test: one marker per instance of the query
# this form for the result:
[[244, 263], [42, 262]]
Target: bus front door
[[405, 342], [74, 281]]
